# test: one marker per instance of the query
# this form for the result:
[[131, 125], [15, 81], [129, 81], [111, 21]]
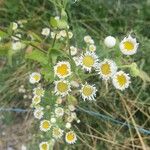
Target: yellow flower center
[[62, 70], [45, 125], [88, 61], [105, 69], [36, 77], [128, 45], [44, 146], [62, 87], [70, 136], [87, 90], [121, 80]]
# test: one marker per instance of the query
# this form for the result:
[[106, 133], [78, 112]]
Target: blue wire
[[100, 116], [105, 117], [15, 109]]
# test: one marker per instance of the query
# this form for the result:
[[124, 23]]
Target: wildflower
[[35, 77], [129, 45], [70, 137], [73, 115], [88, 92], [38, 91], [38, 113], [121, 80], [62, 87], [17, 45], [71, 108], [78, 121], [59, 100], [59, 112], [107, 69], [68, 125], [44, 146], [53, 34], [57, 132], [70, 34], [36, 99], [88, 61], [16, 37], [88, 40], [73, 50], [53, 120], [62, 69], [63, 33], [110, 41], [45, 31], [92, 48], [45, 125], [14, 26]]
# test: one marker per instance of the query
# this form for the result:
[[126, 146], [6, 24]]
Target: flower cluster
[[56, 118]]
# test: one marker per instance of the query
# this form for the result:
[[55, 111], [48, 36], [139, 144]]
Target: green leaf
[[37, 56], [53, 22], [48, 73]]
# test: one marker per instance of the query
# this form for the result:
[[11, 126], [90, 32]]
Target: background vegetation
[[98, 18]]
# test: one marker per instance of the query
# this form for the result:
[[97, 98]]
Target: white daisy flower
[[68, 125], [88, 40], [16, 37], [36, 100], [14, 26], [62, 87], [57, 133], [53, 120], [92, 48], [88, 61], [107, 69], [59, 100], [57, 17], [53, 34], [35, 77], [73, 115], [121, 80], [38, 113], [70, 119], [45, 125], [44, 146], [63, 33], [78, 121], [129, 45], [71, 108], [59, 112], [70, 34], [71, 137], [62, 69], [17, 45], [73, 50], [38, 91], [88, 92], [45, 31], [110, 41]]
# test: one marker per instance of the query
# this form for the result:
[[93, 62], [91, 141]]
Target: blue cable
[[105, 117], [95, 114], [18, 110]]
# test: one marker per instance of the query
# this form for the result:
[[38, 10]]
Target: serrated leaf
[[48, 73], [38, 56]]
